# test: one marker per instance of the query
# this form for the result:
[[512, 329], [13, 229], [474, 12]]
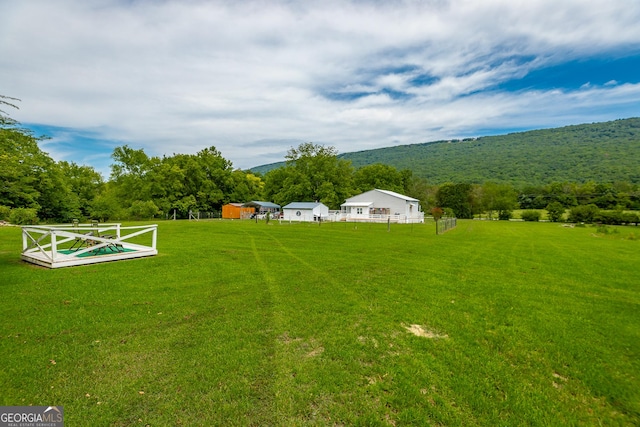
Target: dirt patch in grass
[[558, 377], [421, 331], [316, 352]]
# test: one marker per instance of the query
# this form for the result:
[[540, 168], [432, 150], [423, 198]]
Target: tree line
[[34, 187]]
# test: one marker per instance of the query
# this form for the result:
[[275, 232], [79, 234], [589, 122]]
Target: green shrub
[[555, 211], [630, 218], [530, 215], [617, 217], [23, 216], [603, 229], [5, 211], [143, 210], [584, 213], [609, 217], [504, 215]]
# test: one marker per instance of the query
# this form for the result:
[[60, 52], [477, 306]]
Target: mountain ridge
[[600, 152]]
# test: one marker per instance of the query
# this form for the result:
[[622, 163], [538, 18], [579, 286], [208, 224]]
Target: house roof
[[398, 195], [262, 204], [353, 204], [387, 192], [303, 205]]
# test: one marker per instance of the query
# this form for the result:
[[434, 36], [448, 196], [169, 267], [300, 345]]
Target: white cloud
[[178, 76]]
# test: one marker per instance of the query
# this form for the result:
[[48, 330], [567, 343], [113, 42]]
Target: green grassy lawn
[[238, 323]]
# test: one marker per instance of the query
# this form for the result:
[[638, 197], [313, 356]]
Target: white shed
[[305, 211], [382, 205]]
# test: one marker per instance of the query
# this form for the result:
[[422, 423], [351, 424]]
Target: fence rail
[[445, 224], [380, 218], [76, 244]]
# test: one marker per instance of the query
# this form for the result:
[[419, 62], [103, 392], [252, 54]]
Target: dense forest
[[495, 182], [600, 152]]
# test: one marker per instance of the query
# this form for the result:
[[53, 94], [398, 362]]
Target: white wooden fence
[[67, 245], [338, 216]]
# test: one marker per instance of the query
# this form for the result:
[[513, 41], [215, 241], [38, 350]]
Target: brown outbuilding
[[237, 211]]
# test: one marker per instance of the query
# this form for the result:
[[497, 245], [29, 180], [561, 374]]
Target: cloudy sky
[[254, 78]]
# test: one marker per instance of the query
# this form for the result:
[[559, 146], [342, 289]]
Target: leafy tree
[[634, 197], [167, 183], [84, 182], [606, 196], [21, 164], [206, 179], [562, 193], [5, 120], [57, 200], [500, 198], [532, 197], [182, 182], [246, 187], [379, 176], [106, 206], [583, 213], [421, 190], [216, 179], [457, 197], [274, 188], [585, 192], [312, 172], [185, 204], [130, 174], [29, 178], [555, 211], [437, 213]]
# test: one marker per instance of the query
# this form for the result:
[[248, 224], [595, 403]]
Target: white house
[[382, 205], [305, 211]]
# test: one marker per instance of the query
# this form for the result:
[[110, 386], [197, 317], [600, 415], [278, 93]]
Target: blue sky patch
[[576, 74], [75, 145], [345, 96], [424, 79]]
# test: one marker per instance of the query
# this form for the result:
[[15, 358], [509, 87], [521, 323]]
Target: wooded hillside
[[600, 152]]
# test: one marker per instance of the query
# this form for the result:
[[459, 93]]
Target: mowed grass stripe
[[309, 315], [238, 323]]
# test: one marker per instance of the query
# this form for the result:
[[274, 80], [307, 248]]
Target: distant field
[[238, 323]]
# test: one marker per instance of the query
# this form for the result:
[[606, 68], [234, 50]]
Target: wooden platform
[[56, 246]]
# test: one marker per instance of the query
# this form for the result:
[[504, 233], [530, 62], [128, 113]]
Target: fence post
[[25, 242], [54, 245], [154, 236]]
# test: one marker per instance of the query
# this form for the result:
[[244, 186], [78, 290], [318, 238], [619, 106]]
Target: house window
[[359, 211]]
